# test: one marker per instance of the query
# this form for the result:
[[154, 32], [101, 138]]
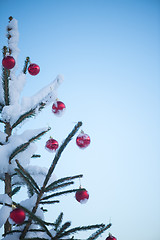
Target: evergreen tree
[[25, 219]]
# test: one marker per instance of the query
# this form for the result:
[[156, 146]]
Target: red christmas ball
[[33, 69], [83, 140], [110, 237], [8, 62], [18, 215], [51, 145], [58, 108], [82, 196]]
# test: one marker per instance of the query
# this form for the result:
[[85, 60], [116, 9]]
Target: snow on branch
[[13, 37], [44, 96], [16, 83], [31, 106], [5, 210], [14, 149]]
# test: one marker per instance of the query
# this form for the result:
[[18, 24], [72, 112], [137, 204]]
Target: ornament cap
[[111, 237]]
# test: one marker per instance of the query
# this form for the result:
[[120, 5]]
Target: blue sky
[[109, 54]]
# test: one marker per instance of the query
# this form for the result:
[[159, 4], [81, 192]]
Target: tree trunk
[[8, 186]]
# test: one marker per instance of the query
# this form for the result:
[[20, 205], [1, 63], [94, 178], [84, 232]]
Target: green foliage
[[24, 116], [30, 182], [34, 218], [1, 107], [59, 182], [36, 156], [31, 113], [59, 152], [78, 229], [63, 228], [60, 193], [99, 232], [23, 146], [58, 221], [36, 238], [49, 202], [5, 81], [15, 190], [26, 65]]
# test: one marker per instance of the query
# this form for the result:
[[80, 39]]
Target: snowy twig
[[23, 147], [26, 65]]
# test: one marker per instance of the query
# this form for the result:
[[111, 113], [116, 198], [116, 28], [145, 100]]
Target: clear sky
[[109, 54]]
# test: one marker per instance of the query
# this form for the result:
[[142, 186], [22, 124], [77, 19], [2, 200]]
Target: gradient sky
[[109, 54]]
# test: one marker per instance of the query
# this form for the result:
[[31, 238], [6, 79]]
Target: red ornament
[[18, 215], [110, 237], [58, 108], [82, 196], [33, 69], [8, 62], [51, 145], [83, 140]]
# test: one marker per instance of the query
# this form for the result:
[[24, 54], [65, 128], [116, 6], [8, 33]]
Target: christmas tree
[[26, 219]]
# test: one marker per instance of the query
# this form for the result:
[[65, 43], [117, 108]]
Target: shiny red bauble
[[33, 69], [18, 215], [58, 108], [83, 140], [82, 196], [51, 145], [110, 237], [8, 62]]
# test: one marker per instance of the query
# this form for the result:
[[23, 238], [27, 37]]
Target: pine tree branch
[[1, 107], [59, 152], [5, 79], [28, 183], [78, 229], [1, 121], [34, 218], [36, 156], [58, 221], [48, 223], [60, 186], [36, 230], [4, 51], [60, 193], [26, 65], [6, 204], [99, 232], [36, 238], [23, 146], [15, 190], [59, 181], [27, 177], [11, 232], [24, 116], [49, 202], [63, 228], [28, 114], [50, 171]]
